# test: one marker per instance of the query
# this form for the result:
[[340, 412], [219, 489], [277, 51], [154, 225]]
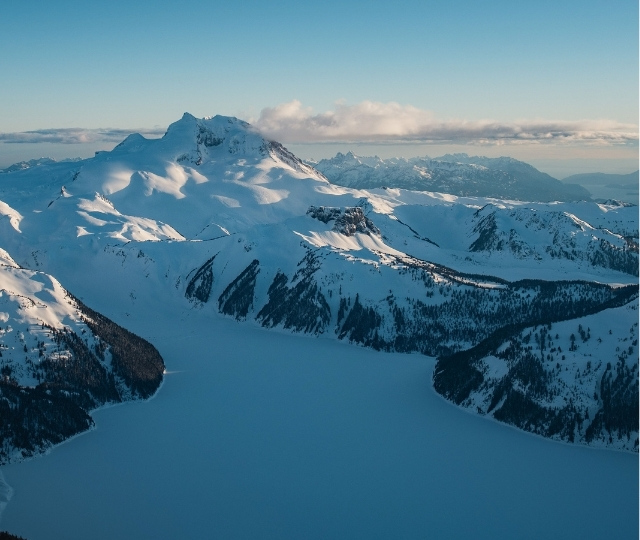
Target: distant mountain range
[[21, 165], [590, 179], [623, 187], [457, 174], [214, 219]]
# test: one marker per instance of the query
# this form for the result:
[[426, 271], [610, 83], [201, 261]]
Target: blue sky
[[561, 76]]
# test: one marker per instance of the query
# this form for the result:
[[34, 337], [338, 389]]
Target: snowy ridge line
[[452, 274], [416, 234], [627, 294], [134, 359], [458, 174], [466, 278]]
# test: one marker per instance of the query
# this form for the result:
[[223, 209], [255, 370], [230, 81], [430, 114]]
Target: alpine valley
[[530, 308]]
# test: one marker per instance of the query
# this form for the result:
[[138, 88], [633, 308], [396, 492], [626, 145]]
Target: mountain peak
[[218, 123], [195, 139]]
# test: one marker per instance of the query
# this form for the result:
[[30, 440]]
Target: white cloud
[[371, 121], [74, 135], [375, 122]]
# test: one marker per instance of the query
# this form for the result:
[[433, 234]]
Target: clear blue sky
[[93, 64]]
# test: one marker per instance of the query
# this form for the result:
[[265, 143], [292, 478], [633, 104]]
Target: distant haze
[[623, 187], [559, 164]]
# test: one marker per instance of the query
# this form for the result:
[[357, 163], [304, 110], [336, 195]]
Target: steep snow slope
[[199, 169], [511, 239], [204, 239]]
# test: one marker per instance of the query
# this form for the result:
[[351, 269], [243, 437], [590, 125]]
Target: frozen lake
[[260, 434]]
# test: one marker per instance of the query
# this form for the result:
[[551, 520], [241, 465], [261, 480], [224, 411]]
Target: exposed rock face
[[391, 269], [347, 221], [480, 328]]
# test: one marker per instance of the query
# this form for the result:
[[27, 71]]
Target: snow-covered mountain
[[457, 174], [535, 234], [58, 361], [214, 217]]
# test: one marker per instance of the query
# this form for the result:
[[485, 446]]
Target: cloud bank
[[75, 135], [375, 122], [371, 121]]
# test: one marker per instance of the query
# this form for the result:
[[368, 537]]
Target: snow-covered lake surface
[[261, 434]]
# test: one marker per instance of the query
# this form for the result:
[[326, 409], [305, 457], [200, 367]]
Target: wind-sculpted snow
[[165, 189]]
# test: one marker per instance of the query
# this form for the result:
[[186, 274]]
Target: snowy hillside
[[214, 218], [574, 380], [457, 174], [536, 234], [58, 361]]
